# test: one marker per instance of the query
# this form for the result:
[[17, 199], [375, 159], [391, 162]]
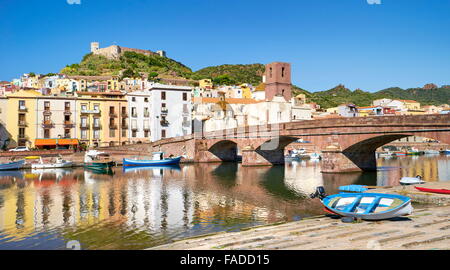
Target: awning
[[67, 141], [41, 142]]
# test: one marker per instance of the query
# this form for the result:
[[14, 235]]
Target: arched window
[[282, 72]]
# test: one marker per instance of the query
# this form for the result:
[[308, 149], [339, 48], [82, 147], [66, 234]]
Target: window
[[96, 122], [46, 133], [47, 105], [112, 133], [133, 112], [96, 107], [163, 95], [145, 99], [67, 106], [84, 107], [163, 133], [282, 72], [184, 96], [21, 104], [124, 132], [270, 69], [146, 133], [67, 133], [133, 133], [83, 134], [133, 99], [84, 122], [96, 134], [21, 132]]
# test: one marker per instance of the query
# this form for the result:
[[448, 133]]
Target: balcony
[[134, 115], [67, 111], [112, 115], [22, 137], [22, 123], [68, 124], [146, 128], [23, 109], [84, 111], [47, 112], [124, 126], [134, 128], [96, 126], [124, 114], [164, 110], [84, 126], [147, 114], [112, 126], [164, 123], [48, 124]]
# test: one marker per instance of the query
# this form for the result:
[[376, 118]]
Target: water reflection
[[140, 207]]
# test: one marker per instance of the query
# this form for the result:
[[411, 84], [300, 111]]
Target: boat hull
[[12, 165], [68, 164], [433, 190], [356, 208], [145, 163], [99, 165]]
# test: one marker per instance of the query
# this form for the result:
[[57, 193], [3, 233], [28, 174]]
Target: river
[[141, 208]]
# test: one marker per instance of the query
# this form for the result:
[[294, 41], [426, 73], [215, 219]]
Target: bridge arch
[[225, 150]]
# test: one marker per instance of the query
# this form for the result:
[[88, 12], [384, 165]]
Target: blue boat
[[446, 152], [157, 160], [353, 188], [368, 206], [15, 165]]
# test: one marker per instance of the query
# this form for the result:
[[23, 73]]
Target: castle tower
[[278, 80], [94, 46]]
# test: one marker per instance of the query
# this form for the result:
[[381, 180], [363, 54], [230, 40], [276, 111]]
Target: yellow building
[[21, 117], [332, 110], [103, 118], [205, 83], [246, 91]]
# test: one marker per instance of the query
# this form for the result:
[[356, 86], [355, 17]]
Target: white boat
[[314, 156], [431, 152], [411, 180], [59, 163], [385, 154]]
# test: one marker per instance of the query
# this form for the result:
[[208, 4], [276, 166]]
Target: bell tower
[[278, 80]]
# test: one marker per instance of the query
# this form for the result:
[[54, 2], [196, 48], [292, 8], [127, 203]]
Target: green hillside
[[130, 64], [232, 74]]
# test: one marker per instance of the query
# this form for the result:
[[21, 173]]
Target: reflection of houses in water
[[303, 179], [444, 169]]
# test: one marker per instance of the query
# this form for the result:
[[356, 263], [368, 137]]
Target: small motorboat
[[431, 152], [446, 152], [158, 160], [434, 190], [97, 160], [368, 206], [59, 163], [14, 165], [411, 180]]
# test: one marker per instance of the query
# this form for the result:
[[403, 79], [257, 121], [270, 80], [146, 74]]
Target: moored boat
[[158, 160], [97, 160], [431, 152], [368, 206], [446, 152], [14, 165], [434, 190], [59, 163]]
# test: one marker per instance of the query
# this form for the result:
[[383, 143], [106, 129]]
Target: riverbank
[[427, 228]]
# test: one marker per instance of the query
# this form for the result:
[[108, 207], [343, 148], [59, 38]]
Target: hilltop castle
[[114, 51]]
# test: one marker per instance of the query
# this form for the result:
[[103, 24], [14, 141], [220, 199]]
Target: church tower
[[278, 80], [94, 46]]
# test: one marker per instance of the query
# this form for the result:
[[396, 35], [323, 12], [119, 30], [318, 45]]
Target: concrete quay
[[427, 228]]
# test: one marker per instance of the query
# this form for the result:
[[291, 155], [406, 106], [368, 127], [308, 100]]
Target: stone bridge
[[347, 144]]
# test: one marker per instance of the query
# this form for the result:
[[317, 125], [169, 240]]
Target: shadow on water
[[226, 174], [274, 182]]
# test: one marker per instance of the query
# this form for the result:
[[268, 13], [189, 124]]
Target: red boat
[[431, 190]]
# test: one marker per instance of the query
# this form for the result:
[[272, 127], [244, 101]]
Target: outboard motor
[[320, 193]]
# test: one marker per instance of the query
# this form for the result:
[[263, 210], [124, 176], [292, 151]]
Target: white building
[[139, 107], [170, 114]]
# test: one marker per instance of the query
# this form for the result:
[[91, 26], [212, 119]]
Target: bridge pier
[[252, 157], [337, 161]]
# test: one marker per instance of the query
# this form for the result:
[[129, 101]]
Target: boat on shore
[[59, 163], [14, 165], [157, 160], [368, 206], [434, 190], [412, 180], [97, 160]]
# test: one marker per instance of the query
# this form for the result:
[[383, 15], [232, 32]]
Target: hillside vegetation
[[132, 64]]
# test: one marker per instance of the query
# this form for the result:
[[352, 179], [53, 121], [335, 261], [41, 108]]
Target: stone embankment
[[427, 228]]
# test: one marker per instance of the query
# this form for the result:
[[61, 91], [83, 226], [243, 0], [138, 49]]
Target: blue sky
[[404, 43]]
